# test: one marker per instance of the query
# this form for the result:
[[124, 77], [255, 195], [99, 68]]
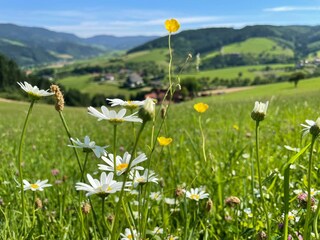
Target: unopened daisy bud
[[209, 205], [147, 112], [59, 97], [38, 203], [232, 201], [259, 111], [110, 218], [86, 207], [163, 111]]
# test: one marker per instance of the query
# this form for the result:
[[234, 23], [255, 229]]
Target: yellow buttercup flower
[[163, 141], [172, 25], [201, 107]]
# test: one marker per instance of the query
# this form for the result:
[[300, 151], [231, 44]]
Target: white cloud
[[292, 8]]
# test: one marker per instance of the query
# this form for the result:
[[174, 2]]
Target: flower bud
[[259, 111], [232, 201], [147, 112]]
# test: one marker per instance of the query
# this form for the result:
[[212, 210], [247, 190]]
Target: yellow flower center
[[129, 236], [291, 217], [116, 120], [140, 179], [201, 107], [163, 141], [34, 186], [122, 166], [195, 196], [172, 25]]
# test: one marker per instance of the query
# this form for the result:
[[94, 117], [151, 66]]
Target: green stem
[[315, 222], [306, 233], [20, 161], [260, 182], [69, 136], [286, 201], [170, 63], [115, 148], [84, 166], [115, 224], [203, 140]]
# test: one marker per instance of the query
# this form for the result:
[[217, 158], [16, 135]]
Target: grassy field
[[257, 46], [229, 169], [156, 55], [247, 71]]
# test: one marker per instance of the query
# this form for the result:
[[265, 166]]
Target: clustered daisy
[[37, 186], [33, 91], [88, 146]]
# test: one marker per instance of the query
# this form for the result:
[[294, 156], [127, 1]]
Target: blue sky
[[86, 18]]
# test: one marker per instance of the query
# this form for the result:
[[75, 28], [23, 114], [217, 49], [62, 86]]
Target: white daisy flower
[[157, 230], [312, 127], [142, 179], [170, 201], [196, 194], [171, 237], [102, 188], [156, 196], [259, 111], [292, 148], [88, 146], [122, 164], [37, 186], [112, 116], [126, 104], [128, 235], [34, 92]]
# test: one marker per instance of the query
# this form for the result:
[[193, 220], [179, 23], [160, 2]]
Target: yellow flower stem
[[306, 233], [69, 136], [115, 148], [170, 63], [260, 182], [203, 140], [20, 162]]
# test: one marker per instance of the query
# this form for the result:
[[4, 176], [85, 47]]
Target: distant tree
[[296, 77]]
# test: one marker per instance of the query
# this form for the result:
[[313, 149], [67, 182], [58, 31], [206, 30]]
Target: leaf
[[295, 157]]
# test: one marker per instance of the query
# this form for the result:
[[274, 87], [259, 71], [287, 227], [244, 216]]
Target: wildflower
[[170, 201], [303, 200], [38, 203], [102, 188], [163, 141], [291, 148], [209, 205], [262, 235], [312, 127], [196, 194], [201, 107], [89, 146], [157, 230], [122, 164], [126, 104], [172, 25], [259, 111], [86, 208], [128, 235], [37, 186], [232, 201], [112, 116], [55, 172], [171, 237], [248, 212], [156, 196], [59, 97], [147, 112], [179, 192], [34, 92], [142, 179]]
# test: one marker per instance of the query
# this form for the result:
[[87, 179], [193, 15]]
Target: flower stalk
[[20, 160]]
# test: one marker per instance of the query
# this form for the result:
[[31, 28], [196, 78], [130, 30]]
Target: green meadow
[[214, 151]]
